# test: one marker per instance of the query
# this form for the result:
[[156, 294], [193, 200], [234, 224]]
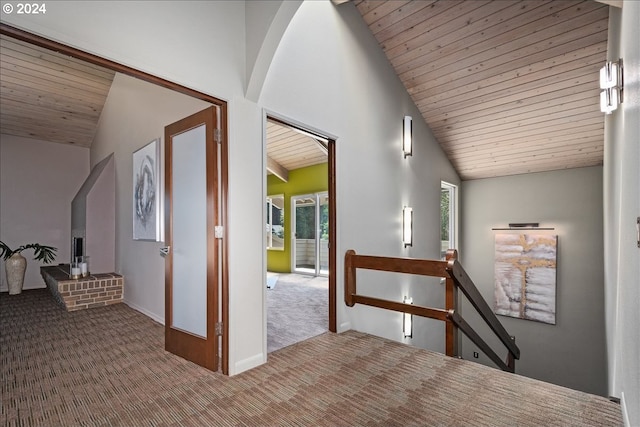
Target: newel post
[[349, 278], [451, 303]]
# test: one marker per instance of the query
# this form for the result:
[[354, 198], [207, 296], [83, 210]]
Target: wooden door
[[191, 263]]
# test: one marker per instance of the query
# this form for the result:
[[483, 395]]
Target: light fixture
[[407, 320], [407, 135], [609, 75], [407, 226], [611, 82], [609, 100]]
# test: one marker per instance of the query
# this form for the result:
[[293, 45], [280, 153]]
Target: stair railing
[[455, 278]]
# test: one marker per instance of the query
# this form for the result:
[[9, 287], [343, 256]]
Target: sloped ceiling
[[507, 87], [289, 149], [52, 97], [49, 96]]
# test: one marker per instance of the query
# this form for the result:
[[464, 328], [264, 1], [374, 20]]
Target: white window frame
[[269, 222], [453, 215]]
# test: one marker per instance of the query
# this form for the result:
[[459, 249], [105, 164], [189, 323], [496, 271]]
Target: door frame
[[331, 190], [46, 43]]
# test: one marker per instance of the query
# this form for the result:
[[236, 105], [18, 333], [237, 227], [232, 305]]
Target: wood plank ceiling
[[51, 97], [288, 149], [48, 96], [507, 87]]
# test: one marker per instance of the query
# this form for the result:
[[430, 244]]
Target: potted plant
[[15, 264]]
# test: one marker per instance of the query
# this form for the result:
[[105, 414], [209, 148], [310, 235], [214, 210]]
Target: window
[[310, 246], [275, 222], [448, 215]]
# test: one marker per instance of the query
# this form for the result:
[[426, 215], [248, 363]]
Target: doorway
[[221, 106], [300, 217]]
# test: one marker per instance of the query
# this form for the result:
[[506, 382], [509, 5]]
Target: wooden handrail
[[456, 278], [433, 313], [464, 282], [423, 267], [482, 345]]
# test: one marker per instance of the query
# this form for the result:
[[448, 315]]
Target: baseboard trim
[[249, 363], [344, 327], [625, 413], [145, 312]]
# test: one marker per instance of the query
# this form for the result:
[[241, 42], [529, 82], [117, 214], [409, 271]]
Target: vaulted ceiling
[[49, 96], [289, 149], [507, 87]]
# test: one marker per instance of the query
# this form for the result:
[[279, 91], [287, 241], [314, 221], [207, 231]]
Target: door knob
[[165, 251]]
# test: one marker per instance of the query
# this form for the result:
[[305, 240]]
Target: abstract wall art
[[147, 196], [525, 276]]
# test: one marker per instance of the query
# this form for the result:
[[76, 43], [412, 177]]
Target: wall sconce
[[407, 226], [407, 320], [611, 82], [407, 135]]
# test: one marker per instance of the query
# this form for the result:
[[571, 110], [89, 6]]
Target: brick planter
[[95, 290]]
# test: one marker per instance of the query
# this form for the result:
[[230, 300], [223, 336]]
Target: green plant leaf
[[43, 253]]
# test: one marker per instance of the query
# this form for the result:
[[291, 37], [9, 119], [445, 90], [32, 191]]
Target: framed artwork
[[525, 276], [148, 221]]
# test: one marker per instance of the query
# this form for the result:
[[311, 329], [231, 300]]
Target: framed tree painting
[[147, 193]]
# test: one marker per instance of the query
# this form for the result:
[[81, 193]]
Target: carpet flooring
[[297, 309], [106, 367]]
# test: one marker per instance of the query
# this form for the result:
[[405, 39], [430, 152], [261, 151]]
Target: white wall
[[621, 208], [330, 74], [38, 180], [570, 353], [200, 44], [134, 114], [266, 22]]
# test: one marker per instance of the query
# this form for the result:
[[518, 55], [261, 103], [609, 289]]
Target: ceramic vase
[[15, 267]]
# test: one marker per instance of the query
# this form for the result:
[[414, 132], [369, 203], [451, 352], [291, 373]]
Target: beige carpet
[[297, 309], [106, 367]]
